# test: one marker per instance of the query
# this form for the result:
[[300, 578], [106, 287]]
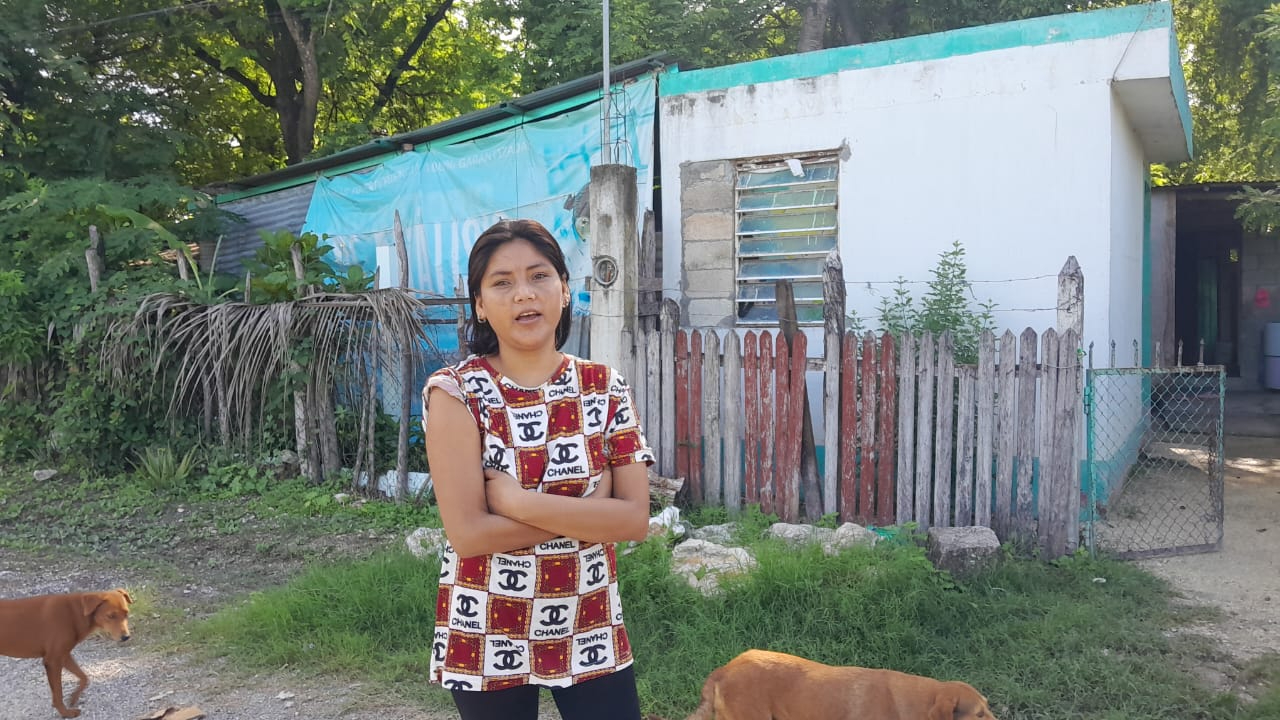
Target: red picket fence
[[771, 385]]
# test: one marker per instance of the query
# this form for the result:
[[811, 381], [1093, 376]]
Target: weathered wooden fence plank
[[712, 477], [799, 391], [768, 424], [1007, 434], [833, 309], [944, 421], [732, 424], [1069, 424], [924, 430], [1023, 521], [885, 435], [670, 323], [985, 388], [867, 430], [751, 397], [784, 432], [682, 439], [848, 428], [639, 379], [906, 429], [653, 377], [696, 439], [1047, 447], [964, 444]]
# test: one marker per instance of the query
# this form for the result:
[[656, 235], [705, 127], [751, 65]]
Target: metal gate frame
[[1173, 430]]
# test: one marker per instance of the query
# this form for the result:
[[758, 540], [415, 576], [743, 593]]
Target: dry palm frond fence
[[227, 361], [910, 435]]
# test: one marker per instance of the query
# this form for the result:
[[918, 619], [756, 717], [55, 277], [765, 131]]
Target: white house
[[1026, 141]]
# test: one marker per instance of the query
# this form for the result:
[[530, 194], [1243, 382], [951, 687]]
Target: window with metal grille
[[786, 225]]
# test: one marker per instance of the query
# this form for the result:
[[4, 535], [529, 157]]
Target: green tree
[[323, 67], [560, 40], [67, 107], [1229, 54]]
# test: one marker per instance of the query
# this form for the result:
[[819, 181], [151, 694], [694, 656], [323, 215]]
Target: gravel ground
[[1243, 579], [131, 680]]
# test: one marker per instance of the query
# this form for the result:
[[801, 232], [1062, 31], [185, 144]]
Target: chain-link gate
[[1154, 453]]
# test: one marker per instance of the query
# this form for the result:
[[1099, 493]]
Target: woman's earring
[[481, 320]]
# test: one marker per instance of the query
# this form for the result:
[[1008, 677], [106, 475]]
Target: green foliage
[[558, 41], [234, 479], [945, 306], [21, 431], [162, 470], [274, 278], [1230, 62], [52, 326], [68, 104]]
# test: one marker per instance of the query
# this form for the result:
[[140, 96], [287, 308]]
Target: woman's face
[[521, 297]]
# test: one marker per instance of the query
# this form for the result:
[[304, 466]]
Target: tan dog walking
[[50, 626], [763, 685]]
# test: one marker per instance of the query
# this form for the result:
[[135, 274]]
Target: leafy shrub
[[162, 470]]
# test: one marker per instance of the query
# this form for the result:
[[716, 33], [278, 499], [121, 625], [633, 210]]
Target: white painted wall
[[1124, 315], [1010, 152]]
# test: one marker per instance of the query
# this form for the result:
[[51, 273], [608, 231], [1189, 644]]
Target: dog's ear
[[127, 597], [90, 602], [944, 706]]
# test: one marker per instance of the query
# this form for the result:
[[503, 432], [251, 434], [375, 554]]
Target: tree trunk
[[93, 259], [813, 25], [300, 132], [848, 23]]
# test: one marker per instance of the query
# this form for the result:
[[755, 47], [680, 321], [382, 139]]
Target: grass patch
[[372, 619], [1041, 640]]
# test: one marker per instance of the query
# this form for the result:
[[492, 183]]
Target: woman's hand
[[500, 490]]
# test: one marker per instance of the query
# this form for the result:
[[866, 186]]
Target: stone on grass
[[849, 535], [425, 542], [44, 475], [719, 534], [702, 563], [962, 551]]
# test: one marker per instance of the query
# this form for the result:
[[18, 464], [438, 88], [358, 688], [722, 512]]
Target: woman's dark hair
[[483, 341]]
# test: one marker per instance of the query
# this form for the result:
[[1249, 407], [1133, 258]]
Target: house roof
[[373, 151]]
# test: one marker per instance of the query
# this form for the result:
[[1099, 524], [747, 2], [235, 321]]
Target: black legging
[[612, 697]]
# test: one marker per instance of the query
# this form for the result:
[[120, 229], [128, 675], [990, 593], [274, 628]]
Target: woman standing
[[539, 466]]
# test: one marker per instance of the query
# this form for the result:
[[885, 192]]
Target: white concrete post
[[614, 258]]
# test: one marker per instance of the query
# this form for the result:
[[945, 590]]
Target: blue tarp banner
[[448, 194]]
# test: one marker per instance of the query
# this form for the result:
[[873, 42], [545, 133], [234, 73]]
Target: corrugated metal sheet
[[282, 210]]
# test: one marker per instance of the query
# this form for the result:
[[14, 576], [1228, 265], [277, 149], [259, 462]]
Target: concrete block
[[707, 226], [710, 312], [707, 195], [709, 255], [963, 551], [705, 170], [709, 284]]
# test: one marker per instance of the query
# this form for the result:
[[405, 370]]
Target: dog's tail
[[706, 709]]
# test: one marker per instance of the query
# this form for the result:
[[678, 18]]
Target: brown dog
[[49, 626], [763, 685]]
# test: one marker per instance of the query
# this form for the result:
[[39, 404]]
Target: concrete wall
[[1126, 294], [1164, 219]]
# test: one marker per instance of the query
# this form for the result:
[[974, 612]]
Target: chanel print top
[[550, 614]]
